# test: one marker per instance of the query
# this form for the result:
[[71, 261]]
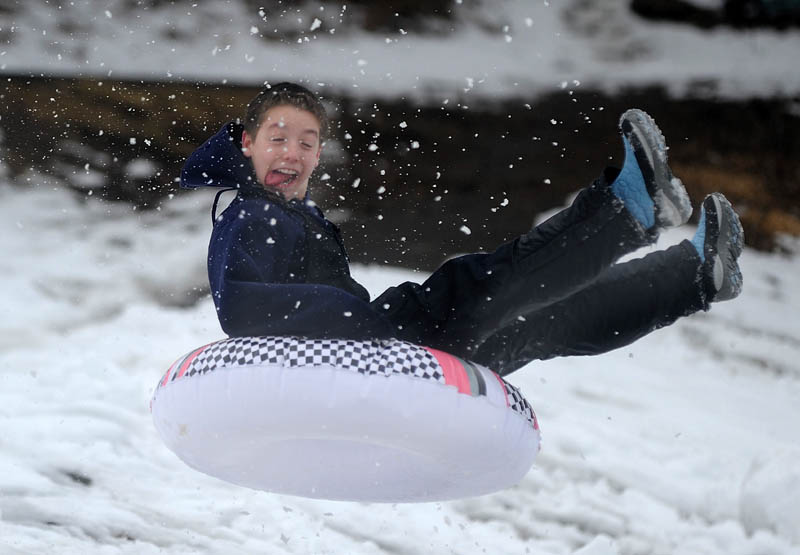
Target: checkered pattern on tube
[[385, 357], [518, 403], [365, 357]]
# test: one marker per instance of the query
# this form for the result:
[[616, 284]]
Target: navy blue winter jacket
[[276, 267]]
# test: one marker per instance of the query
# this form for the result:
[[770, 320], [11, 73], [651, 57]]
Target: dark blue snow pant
[[554, 291]]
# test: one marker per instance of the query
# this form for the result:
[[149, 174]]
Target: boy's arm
[[256, 294]]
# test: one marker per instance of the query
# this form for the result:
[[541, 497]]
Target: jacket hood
[[219, 162]]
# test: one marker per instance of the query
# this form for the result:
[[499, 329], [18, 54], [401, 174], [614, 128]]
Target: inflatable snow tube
[[382, 420]]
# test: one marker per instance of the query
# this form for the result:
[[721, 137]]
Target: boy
[[278, 267]]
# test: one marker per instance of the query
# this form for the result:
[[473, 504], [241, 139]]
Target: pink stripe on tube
[[172, 368], [166, 376], [454, 373], [188, 361]]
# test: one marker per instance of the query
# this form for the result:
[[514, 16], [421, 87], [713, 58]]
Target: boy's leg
[[627, 302], [470, 297]]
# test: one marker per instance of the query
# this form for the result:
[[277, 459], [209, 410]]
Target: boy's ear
[[246, 144]]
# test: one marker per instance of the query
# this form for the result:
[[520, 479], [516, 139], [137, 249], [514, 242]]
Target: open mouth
[[281, 177]]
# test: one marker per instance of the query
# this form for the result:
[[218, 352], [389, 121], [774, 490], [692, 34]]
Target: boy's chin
[[288, 191]]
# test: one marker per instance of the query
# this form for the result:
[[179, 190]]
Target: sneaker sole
[[727, 247], [673, 207]]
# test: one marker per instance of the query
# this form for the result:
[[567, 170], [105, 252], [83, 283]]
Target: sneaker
[[719, 241], [671, 202]]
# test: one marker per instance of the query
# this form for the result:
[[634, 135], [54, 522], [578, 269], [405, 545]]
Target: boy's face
[[285, 150]]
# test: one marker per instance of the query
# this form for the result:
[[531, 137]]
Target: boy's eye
[[277, 139]]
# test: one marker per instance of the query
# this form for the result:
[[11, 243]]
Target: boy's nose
[[291, 152]]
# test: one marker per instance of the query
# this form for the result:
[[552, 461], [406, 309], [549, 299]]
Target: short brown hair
[[283, 94]]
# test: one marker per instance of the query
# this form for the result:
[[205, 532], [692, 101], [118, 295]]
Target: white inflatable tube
[[382, 421]]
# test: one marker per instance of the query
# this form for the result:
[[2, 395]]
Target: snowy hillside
[[684, 443], [488, 48]]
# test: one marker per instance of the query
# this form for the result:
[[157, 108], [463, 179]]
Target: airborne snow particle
[[316, 24], [465, 230]]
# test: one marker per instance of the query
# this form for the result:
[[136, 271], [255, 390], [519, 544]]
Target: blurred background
[[455, 121]]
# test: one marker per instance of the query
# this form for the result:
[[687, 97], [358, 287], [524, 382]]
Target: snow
[[685, 442], [513, 48]]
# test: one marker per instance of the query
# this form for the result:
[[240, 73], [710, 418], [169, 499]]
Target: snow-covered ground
[[685, 443], [515, 47]]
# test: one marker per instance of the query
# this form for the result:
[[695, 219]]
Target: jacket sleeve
[[253, 263]]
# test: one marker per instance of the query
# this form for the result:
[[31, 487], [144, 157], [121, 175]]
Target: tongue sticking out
[[278, 179]]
